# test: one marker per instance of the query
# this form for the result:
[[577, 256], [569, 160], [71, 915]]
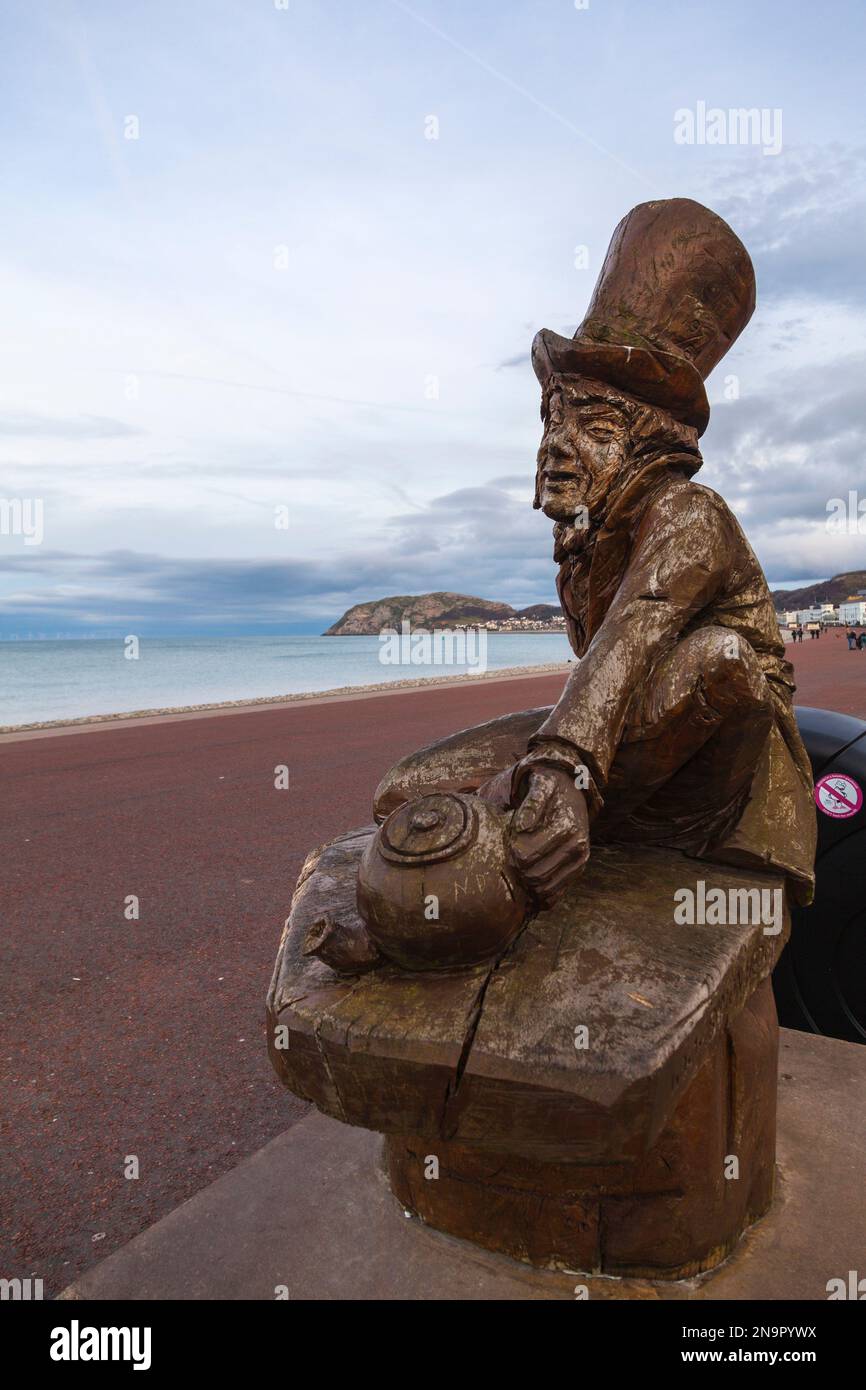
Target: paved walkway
[[344, 1236], [145, 1037], [828, 675]]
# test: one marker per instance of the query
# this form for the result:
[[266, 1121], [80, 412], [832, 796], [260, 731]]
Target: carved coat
[[670, 558]]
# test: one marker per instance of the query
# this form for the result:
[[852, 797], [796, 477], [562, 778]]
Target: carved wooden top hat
[[677, 288]]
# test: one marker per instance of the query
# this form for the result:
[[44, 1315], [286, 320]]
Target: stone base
[[671, 1214]]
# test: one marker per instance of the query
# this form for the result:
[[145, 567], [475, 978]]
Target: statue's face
[[582, 450]]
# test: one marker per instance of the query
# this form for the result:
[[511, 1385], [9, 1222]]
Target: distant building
[[853, 611], [556, 623], [826, 614]]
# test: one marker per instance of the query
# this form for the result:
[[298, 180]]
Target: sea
[[46, 680]]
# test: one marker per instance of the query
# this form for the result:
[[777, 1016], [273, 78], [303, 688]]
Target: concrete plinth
[[312, 1212]]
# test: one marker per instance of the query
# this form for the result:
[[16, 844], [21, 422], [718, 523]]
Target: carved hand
[[550, 833]]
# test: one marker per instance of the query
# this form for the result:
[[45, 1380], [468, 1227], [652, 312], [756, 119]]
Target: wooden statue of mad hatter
[[676, 727]]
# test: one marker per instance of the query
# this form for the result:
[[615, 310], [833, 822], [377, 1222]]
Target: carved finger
[[568, 851], [567, 857], [551, 889], [530, 812], [529, 849]]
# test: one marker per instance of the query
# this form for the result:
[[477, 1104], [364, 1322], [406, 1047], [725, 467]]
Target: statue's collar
[[622, 507]]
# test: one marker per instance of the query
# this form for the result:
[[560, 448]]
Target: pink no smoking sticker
[[839, 795]]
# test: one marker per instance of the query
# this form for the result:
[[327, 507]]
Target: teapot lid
[[429, 828]]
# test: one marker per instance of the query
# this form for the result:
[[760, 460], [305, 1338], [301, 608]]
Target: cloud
[[781, 453], [802, 218], [778, 455], [520, 481], [468, 540], [409, 263], [81, 427]]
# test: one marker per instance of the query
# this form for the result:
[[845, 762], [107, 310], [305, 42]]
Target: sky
[[270, 271]]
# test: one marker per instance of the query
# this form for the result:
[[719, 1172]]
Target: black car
[[820, 981]]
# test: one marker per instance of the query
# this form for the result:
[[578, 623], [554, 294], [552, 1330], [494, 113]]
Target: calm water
[[65, 680]]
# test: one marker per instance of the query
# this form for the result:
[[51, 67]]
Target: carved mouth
[[558, 476]]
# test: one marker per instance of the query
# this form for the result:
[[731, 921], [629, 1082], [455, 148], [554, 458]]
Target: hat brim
[[660, 378]]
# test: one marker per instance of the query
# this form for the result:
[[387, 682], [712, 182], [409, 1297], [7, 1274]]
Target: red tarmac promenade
[[145, 1037]]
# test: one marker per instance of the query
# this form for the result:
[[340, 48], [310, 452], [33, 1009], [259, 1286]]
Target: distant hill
[[540, 612], [834, 590], [431, 611], [445, 609]]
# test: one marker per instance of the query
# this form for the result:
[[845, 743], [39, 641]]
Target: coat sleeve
[[678, 563]]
